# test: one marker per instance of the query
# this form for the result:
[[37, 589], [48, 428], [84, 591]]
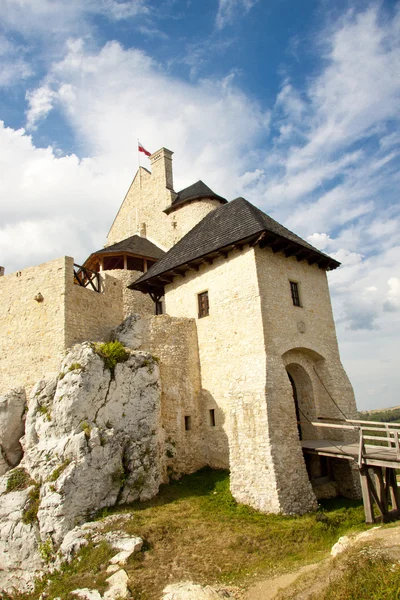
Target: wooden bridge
[[377, 460]]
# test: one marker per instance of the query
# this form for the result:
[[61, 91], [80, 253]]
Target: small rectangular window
[[203, 304], [212, 417], [188, 423], [294, 288]]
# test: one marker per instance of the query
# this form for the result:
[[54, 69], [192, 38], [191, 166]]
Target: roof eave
[[263, 239]]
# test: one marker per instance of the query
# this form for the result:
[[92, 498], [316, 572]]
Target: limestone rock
[[12, 427], [347, 541], [187, 590], [87, 594], [91, 441], [118, 586], [130, 332]]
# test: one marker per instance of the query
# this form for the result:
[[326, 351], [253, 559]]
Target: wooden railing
[[87, 278], [370, 431]]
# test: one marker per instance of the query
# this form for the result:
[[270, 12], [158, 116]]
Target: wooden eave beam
[[166, 278], [303, 255], [179, 271], [192, 266], [279, 246], [223, 253]]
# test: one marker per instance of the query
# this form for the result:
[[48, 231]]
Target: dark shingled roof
[[196, 191], [234, 222], [134, 245]]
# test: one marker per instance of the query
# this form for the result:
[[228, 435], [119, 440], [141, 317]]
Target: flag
[[143, 149]]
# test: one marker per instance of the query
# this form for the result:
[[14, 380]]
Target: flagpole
[[138, 156]]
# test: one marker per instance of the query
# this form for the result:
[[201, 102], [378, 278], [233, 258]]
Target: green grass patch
[[18, 480], [29, 515], [112, 353], [58, 470]]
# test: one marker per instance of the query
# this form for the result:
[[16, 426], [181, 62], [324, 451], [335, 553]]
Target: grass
[[58, 470], [365, 575], [194, 530], [112, 353], [87, 571], [29, 515]]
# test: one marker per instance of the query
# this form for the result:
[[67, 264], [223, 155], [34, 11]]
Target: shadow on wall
[[216, 446]]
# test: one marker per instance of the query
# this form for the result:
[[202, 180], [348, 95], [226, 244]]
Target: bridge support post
[[366, 494]]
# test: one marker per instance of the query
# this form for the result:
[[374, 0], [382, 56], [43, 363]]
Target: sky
[[293, 104]]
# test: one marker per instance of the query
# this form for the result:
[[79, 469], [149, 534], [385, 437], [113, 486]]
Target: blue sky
[[293, 104]]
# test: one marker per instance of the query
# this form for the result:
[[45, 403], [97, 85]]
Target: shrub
[[18, 480], [111, 353], [46, 550], [86, 428], [30, 511], [75, 367]]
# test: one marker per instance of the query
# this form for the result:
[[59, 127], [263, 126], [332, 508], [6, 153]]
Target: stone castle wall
[[133, 302], [305, 335], [31, 332], [144, 203], [184, 218], [233, 372], [34, 335], [89, 316], [174, 342]]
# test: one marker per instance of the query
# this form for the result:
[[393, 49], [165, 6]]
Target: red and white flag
[[141, 148]]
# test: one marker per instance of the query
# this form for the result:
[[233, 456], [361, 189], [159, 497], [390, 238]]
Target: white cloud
[[13, 64], [228, 10], [320, 240], [393, 295], [33, 17], [40, 104]]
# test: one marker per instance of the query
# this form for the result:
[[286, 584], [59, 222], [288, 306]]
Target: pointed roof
[[135, 244], [229, 226], [196, 191]]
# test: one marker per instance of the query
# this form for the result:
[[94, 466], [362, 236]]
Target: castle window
[[212, 417], [188, 423], [294, 288], [204, 306]]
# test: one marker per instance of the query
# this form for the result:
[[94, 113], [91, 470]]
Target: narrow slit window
[[212, 417], [204, 307], [188, 423], [294, 288]]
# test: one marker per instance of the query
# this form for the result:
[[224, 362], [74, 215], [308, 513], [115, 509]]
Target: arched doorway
[[303, 397], [296, 405]]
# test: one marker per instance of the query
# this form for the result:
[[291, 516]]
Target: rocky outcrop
[[131, 331], [92, 441], [12, 408]]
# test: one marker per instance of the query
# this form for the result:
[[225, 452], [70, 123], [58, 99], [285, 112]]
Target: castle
[[237, 309]]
